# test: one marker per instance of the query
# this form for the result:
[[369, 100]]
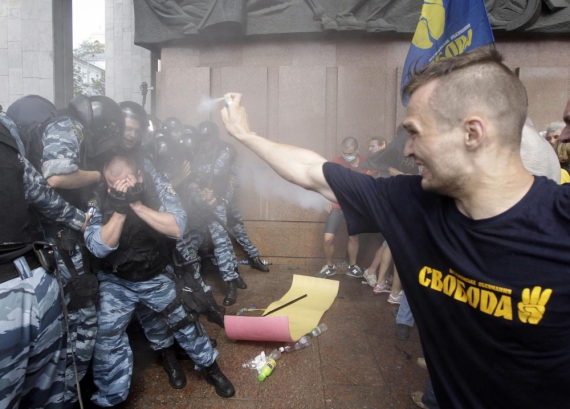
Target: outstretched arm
[[297, 165]]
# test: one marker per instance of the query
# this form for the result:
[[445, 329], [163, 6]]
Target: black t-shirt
[[475, 286]]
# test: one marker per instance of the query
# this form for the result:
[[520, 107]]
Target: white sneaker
[[326, 272], [422, 363], [396, 299], [370, 278], [382, 288]]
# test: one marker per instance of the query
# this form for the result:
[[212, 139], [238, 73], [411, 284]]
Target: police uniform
[[33, 342], [61, 155], [121, 291], [152, 323], [235, 219], [207, 168]]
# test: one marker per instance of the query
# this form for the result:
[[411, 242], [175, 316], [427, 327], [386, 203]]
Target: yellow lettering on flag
[[431, 24]]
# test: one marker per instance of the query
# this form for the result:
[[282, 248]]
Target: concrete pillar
[[62, 52], [26, 49], [127, 66]]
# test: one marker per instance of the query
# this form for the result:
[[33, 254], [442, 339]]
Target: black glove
[[119, 201], [135, 193]]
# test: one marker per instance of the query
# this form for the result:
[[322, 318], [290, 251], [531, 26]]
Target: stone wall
[[313, 91], [126, 65], [26, 49]]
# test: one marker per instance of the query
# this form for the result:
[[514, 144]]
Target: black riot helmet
[[168, 158], [107, 126], [30, 111], [149, 144], [172, 127], [132, 110], [188, 145], [208, 130], [189, 130], [81, 109], [189, 142], [136, 111]]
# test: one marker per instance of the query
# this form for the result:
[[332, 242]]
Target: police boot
[[216, 315], [224, 387], [176, 376], [258, 265], [239, 282], [231, 296]]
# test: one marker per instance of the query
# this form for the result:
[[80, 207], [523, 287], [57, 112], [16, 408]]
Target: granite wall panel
[[3, 32], [302, 92], [331, 106], [4, 61], [302, 122], [127, 66], [548, 90], [400, 109], [361, 105], [181, 92], [317, 53], [4, 91], [221, 55], [264, 53]]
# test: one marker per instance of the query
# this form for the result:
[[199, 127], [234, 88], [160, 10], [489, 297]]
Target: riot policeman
[[72, 146], [211, 173], [172, 127], [33, 343], [152, 323], [131, 229]]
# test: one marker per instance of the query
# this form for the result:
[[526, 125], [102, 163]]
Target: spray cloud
[[208, 104], [271, 185]]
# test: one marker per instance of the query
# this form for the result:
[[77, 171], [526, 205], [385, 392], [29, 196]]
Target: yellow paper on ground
[[305, 314]]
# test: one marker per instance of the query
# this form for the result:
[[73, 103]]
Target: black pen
[[285, 305]]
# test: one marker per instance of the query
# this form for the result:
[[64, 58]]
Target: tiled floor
[[357, 363]]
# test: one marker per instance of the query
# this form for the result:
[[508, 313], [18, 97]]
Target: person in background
[[553, 131], [350, 159], [376, 144]]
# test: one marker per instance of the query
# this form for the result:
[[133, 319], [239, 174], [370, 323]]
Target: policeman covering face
[[131, 229]]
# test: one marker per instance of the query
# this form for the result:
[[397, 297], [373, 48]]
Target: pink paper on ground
[[258, 328]]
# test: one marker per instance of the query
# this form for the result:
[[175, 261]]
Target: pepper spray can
[[228, 100]]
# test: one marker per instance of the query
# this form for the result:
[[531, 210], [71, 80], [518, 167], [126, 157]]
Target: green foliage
[[78, 85], [86, 48], [97, 86]]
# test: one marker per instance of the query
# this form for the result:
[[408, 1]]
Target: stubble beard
[[446, 185]]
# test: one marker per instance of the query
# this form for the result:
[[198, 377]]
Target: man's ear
[[476, 132], [139, 176]]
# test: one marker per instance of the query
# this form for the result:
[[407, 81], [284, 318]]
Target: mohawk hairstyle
[[430, 72], [478, 83]]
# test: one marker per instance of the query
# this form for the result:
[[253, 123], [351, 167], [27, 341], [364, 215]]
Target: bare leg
[[373, 269], [328, 245], [352, 249], [396, 284], [385, 263]]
